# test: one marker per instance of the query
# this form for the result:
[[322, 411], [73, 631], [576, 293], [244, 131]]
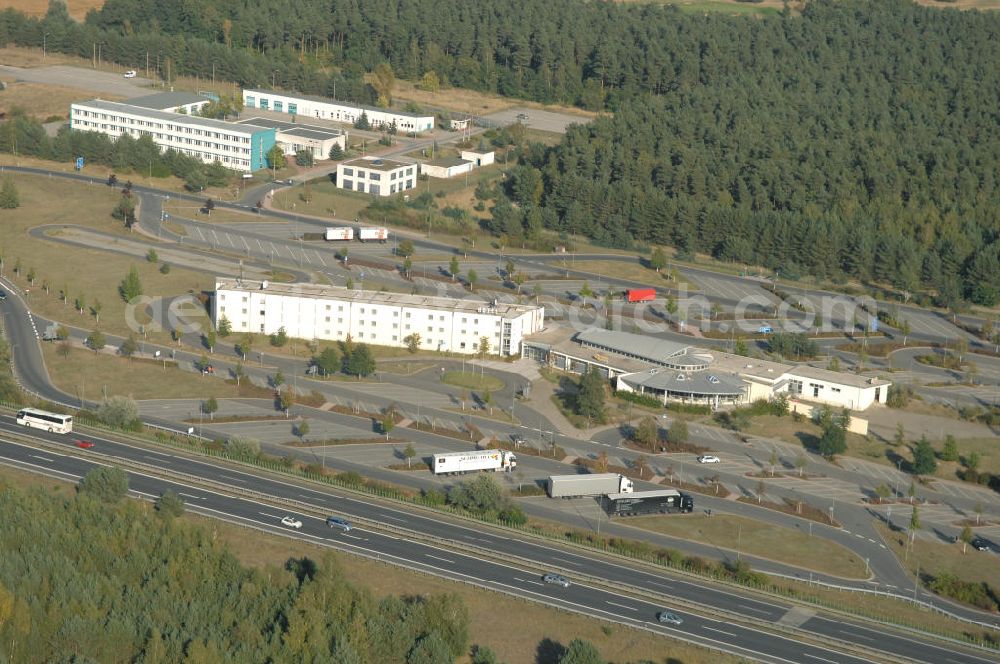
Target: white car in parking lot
[[709, 458], [130, 73], [291, 522]]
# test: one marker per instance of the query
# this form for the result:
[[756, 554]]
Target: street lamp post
[[44, 44]]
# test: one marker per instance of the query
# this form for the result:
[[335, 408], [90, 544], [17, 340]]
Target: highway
[[526, 559]]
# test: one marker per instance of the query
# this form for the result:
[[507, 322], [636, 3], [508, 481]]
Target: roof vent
[[681, 377], [770, 370], [263, 284], [376, 162]]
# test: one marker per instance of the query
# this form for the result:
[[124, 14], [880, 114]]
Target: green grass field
[[757, 538], [97, 373], [91, 272], [473, 381]]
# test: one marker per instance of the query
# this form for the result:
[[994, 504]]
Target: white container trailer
[[467, 462], [572, 486], [379, 234], [341, 233]]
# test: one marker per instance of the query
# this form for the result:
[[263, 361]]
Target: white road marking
[[568, 562], [452, 562], [234, 479], [42, 458], [156, 458], [302, 495], [720, 631], [754, 609], [622, 606], [392, 518], [188, 495], [822, 659]]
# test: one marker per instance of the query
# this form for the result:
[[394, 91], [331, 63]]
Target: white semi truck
[[340, 233], [379, 234], [599, 484], [450, 463]]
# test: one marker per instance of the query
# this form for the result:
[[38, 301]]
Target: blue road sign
[[874, 325], [79, 163]]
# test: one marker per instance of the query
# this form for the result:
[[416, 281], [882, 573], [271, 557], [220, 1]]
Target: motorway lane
[[464, 536], [446, 562]]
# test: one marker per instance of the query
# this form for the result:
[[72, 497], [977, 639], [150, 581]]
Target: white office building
[[241, 147], [311, 311], [379, 177], [324, 108]]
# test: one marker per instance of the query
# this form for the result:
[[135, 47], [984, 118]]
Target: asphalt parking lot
[[105, 82], [534, 118]]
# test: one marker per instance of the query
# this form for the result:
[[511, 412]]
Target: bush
[[169, 505], [107, 484], [244, 448], [898, 395], [640, 399], [980, 595], [119, 412]]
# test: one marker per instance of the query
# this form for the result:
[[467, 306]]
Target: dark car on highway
[[981, 544]]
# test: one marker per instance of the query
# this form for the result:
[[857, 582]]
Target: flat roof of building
[[167, 116], [447, 162], [162, 100], [328, 100], [708, 383], [320, 292], [750, 367], [294, 128], [841, 378], [639, 346], [376, 164]]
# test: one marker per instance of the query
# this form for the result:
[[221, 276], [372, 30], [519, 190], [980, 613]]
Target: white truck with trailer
[[573, 486], [340, 233], [452, 463], [378, 234]]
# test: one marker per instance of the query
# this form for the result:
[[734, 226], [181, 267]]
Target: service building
[[241, 147], [310, 106], [675, 372], [311, 311], [293, 137], [379, 177]]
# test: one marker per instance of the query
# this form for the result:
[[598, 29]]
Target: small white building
[[447, 167], [241, 147], [378, 177], [479, 158], [294, 136], [309, 106], [834, 388], [312, 311]]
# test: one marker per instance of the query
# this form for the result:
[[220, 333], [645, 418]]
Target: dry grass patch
[[758, 538], [139, 379], [514, 638], [936, 557], [43, 101], [77, 8], [471, 101]]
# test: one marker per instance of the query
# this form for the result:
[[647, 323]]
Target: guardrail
[[647, 560], [458, 547]]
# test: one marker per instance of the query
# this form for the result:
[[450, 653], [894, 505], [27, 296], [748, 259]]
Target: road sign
[[874, 325], [79, 163]]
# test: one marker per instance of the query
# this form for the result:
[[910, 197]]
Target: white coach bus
[[42, 419]]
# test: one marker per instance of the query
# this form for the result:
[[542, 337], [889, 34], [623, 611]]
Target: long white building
[[310, 106], [241, 147], [311, 311]]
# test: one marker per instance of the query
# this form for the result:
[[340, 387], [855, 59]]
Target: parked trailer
[[341, 233], [661, 501], [379, 234], [467, 462], [571, 486], [640, 294]]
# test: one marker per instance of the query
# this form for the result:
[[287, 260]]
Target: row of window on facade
[[278, 106], [374, 175], [180, 129], [376, 189]]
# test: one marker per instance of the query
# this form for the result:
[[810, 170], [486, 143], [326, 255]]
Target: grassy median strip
[[757, 538]]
